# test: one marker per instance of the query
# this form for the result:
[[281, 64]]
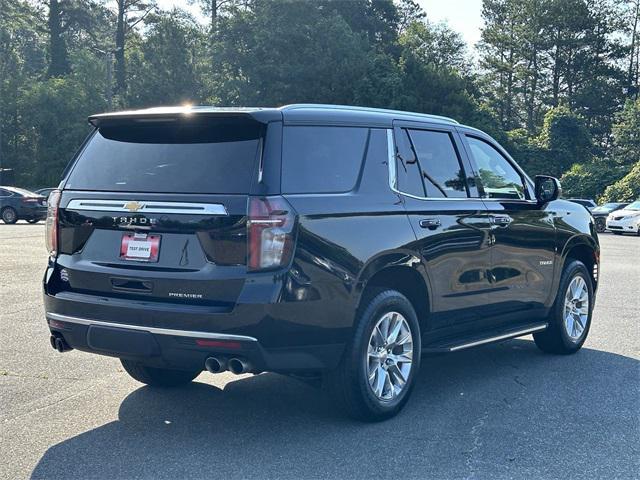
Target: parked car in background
[[626, 220], [45, 191], [585, 202], [601, 212], [20, 204]]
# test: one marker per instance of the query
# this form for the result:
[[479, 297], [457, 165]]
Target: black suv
[[311, 240]]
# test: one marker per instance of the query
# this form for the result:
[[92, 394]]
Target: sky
[[463, 16]]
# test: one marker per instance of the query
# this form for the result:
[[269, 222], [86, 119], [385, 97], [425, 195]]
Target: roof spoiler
[[174, 114]]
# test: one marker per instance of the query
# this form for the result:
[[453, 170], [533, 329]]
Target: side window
[[318, 159], [407, 167], [4, 193], [498, 177], [441, 171]]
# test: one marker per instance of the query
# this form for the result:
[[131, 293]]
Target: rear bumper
[[183, 336], [186, 350], [32, 212]]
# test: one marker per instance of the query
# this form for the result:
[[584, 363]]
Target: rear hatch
[[157, 210]]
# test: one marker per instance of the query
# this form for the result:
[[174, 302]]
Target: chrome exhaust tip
[[239, 366], [215, 365]]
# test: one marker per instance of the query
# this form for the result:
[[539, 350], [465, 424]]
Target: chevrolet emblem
[[134, 206]]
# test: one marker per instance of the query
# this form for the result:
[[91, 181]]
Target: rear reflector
[[56, 324], [218, 344]]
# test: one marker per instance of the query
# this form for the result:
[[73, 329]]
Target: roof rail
[[367, 109]]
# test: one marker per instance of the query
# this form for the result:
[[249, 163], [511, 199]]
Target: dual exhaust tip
[[234, 365], [59, 343]]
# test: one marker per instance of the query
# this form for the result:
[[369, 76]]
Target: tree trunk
[[630, 85], [556, 72], [58, 55], [214, 32], [509, 99], [121, 74]]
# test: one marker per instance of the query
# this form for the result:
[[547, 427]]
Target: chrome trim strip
[[393, 175], [182, 208], [154, 330], [393, 181], [498, 338], [391, 159]]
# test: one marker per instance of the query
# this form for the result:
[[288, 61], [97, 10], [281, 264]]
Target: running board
[[454, 345]]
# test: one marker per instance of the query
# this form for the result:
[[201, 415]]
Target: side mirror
[[547, 188]]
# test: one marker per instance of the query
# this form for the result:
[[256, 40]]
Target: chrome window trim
[[182, 208], [393, 175], [154, 330], [527, 183]]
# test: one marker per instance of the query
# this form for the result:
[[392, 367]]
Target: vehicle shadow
[[502, 410]]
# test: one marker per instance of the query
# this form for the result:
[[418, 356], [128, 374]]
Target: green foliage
[[626, 134], [566, 139], [553, 72], [588, 180], [165, 67], [627, 189], [49, 143]]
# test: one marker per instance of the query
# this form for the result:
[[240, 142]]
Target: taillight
[[270, 232], [51, 226], [30, 200]]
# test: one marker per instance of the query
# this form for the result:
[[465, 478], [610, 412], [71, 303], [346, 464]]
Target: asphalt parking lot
[[501, 411]]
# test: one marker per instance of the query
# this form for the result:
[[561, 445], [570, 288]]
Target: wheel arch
[[400, 271], [585, 249]]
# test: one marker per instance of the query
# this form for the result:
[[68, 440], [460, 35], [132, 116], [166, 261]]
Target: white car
[[626, 220]]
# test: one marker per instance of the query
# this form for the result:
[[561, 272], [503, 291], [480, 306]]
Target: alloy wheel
[[9, 215], [389, 358], [576, 308]]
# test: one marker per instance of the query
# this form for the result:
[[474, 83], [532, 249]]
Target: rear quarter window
[[318, 159]]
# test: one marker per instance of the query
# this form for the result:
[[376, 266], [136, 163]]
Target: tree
[[626, 189], [626, 134], [566, 138], [499, 55], [129, 13], [290, 51], [58, 54], [166, 65], [436, 45]]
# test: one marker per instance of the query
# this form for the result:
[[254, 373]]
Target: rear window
[[210, 157], [322, 159]]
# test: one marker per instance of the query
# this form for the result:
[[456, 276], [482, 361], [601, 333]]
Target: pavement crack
[[476, 442], [4, 373], [519, 382]]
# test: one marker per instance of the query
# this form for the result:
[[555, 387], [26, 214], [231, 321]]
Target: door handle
[[430, 223], [501, 219]]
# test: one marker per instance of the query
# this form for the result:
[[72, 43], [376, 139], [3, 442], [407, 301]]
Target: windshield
[[607, 206], [634, 206], [211, 157]]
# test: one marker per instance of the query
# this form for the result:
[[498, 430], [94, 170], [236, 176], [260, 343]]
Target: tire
[[349, 384], [560, 336], [158, 377], [601, 225], [9, 215]]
